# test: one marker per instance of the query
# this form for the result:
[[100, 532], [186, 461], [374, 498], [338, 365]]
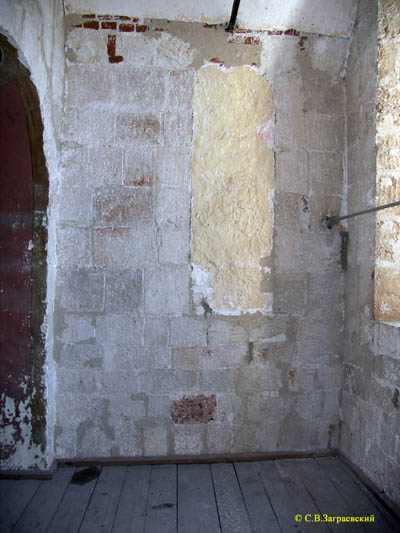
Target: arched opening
[[23, 264]]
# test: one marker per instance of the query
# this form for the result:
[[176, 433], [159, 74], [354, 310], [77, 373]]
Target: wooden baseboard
[[194, 459], [389, 505]]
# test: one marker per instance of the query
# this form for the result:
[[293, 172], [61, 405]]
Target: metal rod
[[331, 221], [232, 22]]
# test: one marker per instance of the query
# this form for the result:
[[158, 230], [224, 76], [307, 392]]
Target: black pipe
[[331, 221], [232, 22]]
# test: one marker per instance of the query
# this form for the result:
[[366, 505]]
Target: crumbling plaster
[[36, 30], [326, 17]]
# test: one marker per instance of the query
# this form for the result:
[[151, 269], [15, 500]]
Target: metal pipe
[[331, 221], [232, 22]]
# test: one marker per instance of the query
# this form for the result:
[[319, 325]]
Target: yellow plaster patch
[[233, 181]]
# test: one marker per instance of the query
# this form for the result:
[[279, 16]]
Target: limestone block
[[174, 246], [174, 167], [120, 329], [186, 332], [74, 164], [188, 439], [177, 128], [72, 327], [156, 331], [290, 293], [189, 358], [232, 218], [86, 128], [76, 205], [167, 291], [288, 251], [162, 381], [122, 206], [321, 252], [173, 207], [74, 247], [134, 128], [123, 291], [81, 289], [223, 332], [225, 356], [213, 381], [104, 166], [78, 356], [139, 88], [291, 210], [220, 438], [180, 84], [315, 339], [140, 166], [155, 441], [257, 378], [123, 247], [88, 85]]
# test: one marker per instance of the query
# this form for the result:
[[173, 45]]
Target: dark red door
[[16, 218]]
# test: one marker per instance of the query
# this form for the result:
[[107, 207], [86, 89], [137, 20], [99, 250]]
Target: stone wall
[[143, 368], [35, 29], [370, 411]]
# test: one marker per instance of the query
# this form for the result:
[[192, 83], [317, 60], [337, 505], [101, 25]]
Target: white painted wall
[[36, 29], [326, 17]]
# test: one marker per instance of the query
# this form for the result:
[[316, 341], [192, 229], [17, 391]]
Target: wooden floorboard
[[284, 506], [259, 508], [231, 508], [197, 509], [131, 511], [100, 512], [243, 497], [361, 501], [72, 508], [14, 498], [162, 502], [41, 508]]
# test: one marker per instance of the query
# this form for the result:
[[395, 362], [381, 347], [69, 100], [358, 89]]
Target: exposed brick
[[91, 25], [126, 27], [122, 17], [89, 16], [108, 25], [111, 48], [142, 28], [192, 409], [105, 17], [251, 40]]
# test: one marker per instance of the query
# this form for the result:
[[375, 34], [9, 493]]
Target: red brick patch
[[108, 25], [90, 16], [111, 48], [251, 40], [126, 27], [91, 25], [142, 28], [191, 409]]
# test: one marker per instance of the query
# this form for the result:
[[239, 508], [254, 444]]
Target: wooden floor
[[229, 497]]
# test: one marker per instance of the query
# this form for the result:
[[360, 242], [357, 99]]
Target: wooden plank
[[363, 503], [162, 504], [232, 511], [304, 502], [100, 512], [72, 508], [328, 500], [197, 508], [131, 511], [261, 514], [14, 497], [39, 512], [284, 507]]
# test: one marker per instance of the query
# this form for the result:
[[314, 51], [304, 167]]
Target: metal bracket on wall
[[332, 221], [232, 22]]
